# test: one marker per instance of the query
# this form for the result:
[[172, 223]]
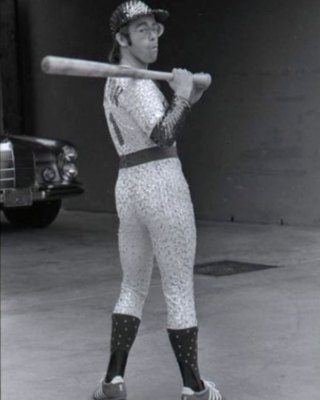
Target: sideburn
[[115, 53]]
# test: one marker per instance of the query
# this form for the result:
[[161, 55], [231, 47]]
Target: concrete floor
[[259, 335]]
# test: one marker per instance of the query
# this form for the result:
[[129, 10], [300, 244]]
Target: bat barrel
[[75, 67]]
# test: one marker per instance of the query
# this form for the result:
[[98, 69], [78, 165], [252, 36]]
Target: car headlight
[[69, 171], [48, 174], [69, 153]]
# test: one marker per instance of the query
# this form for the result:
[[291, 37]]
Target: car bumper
[[59, 192], [25, 197]]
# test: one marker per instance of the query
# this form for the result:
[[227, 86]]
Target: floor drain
[[226, 267]]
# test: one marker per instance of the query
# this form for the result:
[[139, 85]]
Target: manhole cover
[[222, 268]]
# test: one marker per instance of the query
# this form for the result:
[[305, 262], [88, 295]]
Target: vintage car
[[35, 175]]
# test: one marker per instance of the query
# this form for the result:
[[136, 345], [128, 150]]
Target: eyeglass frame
[[148, 30]]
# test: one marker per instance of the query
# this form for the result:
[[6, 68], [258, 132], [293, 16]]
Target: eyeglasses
[[145, 31]]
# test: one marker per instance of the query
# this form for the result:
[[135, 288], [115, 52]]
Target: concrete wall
[[1, 110], [251, 148]]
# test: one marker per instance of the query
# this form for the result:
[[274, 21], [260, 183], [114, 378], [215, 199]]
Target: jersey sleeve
[[166, 131]]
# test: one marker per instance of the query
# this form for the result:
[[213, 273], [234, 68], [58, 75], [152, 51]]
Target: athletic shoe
[[115, 390], [210, 392]]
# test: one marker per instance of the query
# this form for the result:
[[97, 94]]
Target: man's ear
[[122, 40]]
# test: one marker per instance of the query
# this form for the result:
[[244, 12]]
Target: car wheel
[[39, 215]]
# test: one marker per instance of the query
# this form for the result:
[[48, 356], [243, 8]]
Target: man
[[153, 201]]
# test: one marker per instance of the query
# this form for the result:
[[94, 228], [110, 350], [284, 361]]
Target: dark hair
[[115, 53]]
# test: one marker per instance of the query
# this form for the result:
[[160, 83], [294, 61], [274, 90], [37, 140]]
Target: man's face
[[144, 35]]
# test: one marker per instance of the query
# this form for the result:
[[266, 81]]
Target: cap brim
[[161, 15]]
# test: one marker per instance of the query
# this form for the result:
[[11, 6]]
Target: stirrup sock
[[124, 331], [185, 346]]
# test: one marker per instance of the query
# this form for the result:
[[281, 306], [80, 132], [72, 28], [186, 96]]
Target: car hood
[[35, 142]]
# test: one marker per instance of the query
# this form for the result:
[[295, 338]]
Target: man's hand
[[182, 83]]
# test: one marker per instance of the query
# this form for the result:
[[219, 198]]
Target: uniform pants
[[156, 219]]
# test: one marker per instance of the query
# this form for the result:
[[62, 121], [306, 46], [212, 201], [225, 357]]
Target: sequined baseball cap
[[131, 10]]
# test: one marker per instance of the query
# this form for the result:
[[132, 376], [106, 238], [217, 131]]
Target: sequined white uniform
[[154, 206]]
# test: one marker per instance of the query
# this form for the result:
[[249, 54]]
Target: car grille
[[24, 164], [17, 166]]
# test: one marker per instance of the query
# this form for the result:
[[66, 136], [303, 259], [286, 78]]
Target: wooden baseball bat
[[76, 67]]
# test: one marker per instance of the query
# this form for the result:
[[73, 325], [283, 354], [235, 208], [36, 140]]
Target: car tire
[[39, 215]]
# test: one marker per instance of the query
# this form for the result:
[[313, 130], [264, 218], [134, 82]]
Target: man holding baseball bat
[[153, 200]]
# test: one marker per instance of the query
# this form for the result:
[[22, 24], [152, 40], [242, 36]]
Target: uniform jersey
[[139, 115]]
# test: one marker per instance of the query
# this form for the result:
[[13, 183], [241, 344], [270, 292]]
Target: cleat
[[115, 390], [210, 392]]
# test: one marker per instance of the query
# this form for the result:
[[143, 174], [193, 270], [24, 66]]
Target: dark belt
[[147, 155]]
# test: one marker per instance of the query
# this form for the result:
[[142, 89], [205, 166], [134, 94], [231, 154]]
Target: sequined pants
[[156, 219]]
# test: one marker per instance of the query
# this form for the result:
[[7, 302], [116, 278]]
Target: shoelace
[[214, 392]]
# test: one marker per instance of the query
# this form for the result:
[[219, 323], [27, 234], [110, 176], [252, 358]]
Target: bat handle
[[200, 79]]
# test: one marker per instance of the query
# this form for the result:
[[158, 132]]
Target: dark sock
[[124, 332], [185, 346]]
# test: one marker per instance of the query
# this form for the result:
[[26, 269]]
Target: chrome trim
[[8, 147]]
